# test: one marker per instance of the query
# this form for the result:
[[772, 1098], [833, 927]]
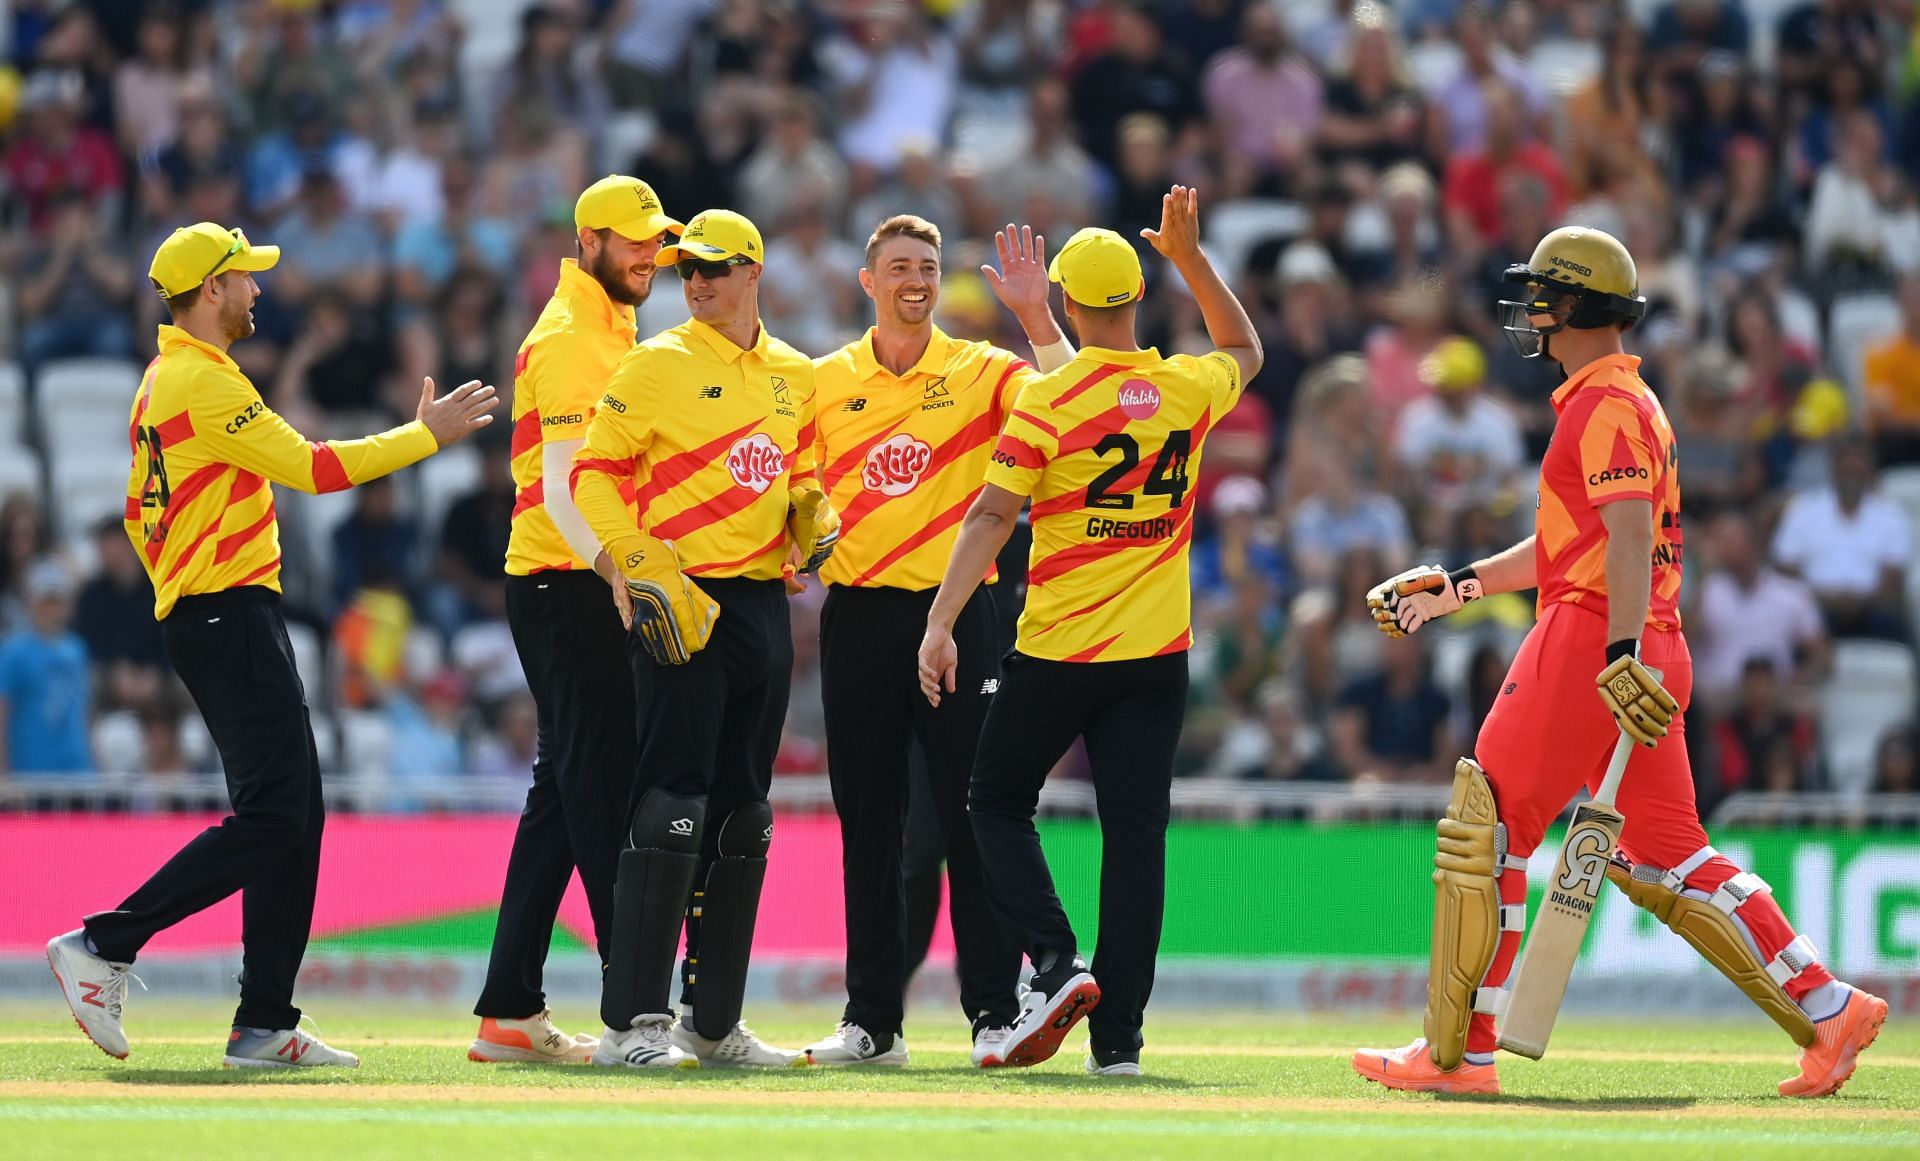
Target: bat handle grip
[[1616, 769]]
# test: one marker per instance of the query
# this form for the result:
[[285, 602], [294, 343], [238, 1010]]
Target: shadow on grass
[[1606, 1104], [227, 1077]]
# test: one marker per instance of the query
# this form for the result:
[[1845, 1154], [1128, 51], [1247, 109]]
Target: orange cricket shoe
[[533, 1040], [1411, 1069], [1839, 1040]]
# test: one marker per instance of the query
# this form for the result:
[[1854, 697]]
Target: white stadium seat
[[1858, 323], [1235, 228], [13, 402], [1870, 690]]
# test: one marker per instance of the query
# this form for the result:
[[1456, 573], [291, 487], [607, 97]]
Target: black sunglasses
[[239, 244], [686, 268]]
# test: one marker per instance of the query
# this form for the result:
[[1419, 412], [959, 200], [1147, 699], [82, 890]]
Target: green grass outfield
[[1218, 1087]]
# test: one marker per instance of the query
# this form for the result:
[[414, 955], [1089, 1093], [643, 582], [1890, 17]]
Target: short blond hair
[[903, 226]]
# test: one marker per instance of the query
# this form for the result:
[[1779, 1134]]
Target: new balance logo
[[294, 1049], [990, 685], [854, 405], [709, 392], [681, 826], [90, 994]]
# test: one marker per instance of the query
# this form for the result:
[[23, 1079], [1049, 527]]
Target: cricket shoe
[[1411, 1069], [288, 1048], [739, 1048], [1047, 1013], [648, 1044], [533, 1040], [852, 1044], [990, 1043], [96, 990], [1838, 1042], [1122, 1063]]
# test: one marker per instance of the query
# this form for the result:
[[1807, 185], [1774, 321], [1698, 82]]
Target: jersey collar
[[1121, 358], [933, 361], [576, 285], [1580, 378], [724, 348], [173, 338]]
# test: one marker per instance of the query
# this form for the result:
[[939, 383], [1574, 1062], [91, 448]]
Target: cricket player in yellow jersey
[[712, 423], [1606, 556], [206, 449], [1107, 447], [568, 634], [907, 418]]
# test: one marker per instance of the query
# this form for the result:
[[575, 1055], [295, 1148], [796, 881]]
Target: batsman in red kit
[[1606, 556]]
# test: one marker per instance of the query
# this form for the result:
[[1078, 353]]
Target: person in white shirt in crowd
[[1745, 610], [1456, 447], [1851, 545]]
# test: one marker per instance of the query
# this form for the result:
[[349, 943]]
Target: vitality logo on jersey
[[756, 462], [893, 468], [1139, 399]]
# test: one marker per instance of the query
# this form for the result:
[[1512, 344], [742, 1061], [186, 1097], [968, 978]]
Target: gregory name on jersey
[[1159, 528]]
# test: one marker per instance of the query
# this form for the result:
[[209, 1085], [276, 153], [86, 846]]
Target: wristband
[[1619, 649], [1053, 356], [1466, 584]]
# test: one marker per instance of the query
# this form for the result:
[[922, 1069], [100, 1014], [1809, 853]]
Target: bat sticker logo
[[1588, 848]]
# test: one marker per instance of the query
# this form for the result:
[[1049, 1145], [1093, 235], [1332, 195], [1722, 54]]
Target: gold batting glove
[[813, 525], [1635, 697], [671, 616], [1403, 604]]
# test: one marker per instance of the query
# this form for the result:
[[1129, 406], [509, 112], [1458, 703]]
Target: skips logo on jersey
[[1139, 399], [756, 462], [894, 467]]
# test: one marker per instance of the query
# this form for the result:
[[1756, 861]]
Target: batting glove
[[1637, 700], [1405, 603], [671, 616], [813, 525]]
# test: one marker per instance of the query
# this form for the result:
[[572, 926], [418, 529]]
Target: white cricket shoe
[[990, 1043], [1115, 1063], [96, 990], [739, 1048], [288, 1048], [1045, 1019], [533, 1040], [852, 1044], [648, 1044]]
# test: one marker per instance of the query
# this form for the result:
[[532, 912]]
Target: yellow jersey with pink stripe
[[1611, 442], [205, 448], [1108, 447], [903, 456], [562, 369], [713, 438]]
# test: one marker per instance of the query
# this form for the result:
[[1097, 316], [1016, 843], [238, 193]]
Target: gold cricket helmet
[[1589, 265]]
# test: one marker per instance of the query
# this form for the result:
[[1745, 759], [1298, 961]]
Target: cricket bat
[[1540, 980]]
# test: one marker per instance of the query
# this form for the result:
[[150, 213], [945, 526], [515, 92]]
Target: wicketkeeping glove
[[671, 616], [1637, 700], [814, 526], [1404, 603]]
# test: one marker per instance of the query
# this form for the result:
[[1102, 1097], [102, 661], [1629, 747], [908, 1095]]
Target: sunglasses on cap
[[686, 268], [239, 244]]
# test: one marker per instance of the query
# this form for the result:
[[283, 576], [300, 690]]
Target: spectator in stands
[[1458, 119], [1685, 31], [1852, 546], [1749, 213], [1136, 74], [1851, 213], [1002, 45], [1772, 366], [279, 161], [1412, 243], [1341, 514], [646, 43], [1748, 610], [288, 65], [1456, 447], [44, 684], [1052, 169], [114, 617], [467, 232], [1415, 323], [506, 756], [1471, 190], [810, 291], [1375, 117], [1392, 725], [790, 158], [1819, 36], [54, 155], [1892, 380], [1313, 322], [328, 245], [1896, 769], [1144, 168], [1240, 541], [375, 545], [893, 79], [1715, 108], [538, 163], [335, 369], [1285, 748], [1327, 644], [1762, 743], [75, 290], [1331, 414], [148, 89], [1266, 102], [918, 185], [389, 166], [425, 722], [1607, 117], [24, 538], [542, 72], [473, 543], [203, 148], [463, 339]]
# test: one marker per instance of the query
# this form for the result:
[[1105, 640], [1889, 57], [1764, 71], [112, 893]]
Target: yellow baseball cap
[[713, 235], [193, 254], [1455, 365], [1098, 268], [625, 205]]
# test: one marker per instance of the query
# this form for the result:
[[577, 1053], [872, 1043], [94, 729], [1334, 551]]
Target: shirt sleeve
[[621, 429], [562, 390], [1027, 444], [1014, 378], [1616, 454], [1223, 377], [806, 453], [240, 429]]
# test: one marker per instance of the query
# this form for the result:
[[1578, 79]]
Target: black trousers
[[231, 650], [711, 728], [1130, 713], [574, 652], [869, 643]]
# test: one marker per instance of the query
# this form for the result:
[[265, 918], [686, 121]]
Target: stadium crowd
[[1367, 168]]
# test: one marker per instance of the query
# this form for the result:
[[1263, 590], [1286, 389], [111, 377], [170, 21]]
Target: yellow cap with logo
[[714, 235], [1097, 267], [625, 205], [193, 254]]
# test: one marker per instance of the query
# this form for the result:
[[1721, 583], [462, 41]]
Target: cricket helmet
[[1591, 267]]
